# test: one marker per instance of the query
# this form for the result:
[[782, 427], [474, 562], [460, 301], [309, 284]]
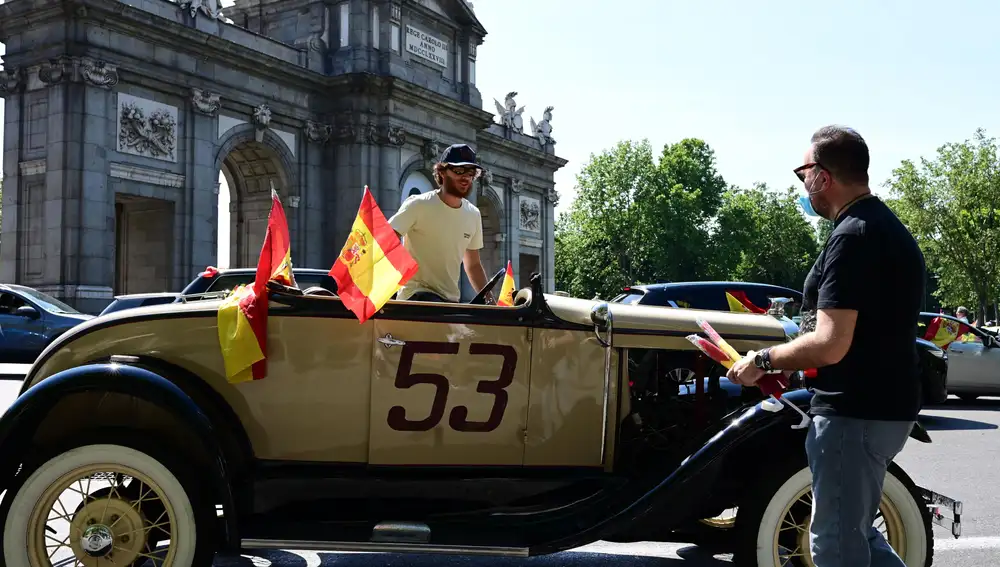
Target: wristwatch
[[762, 360]]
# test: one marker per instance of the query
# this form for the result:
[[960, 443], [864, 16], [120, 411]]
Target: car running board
[[383, 547]]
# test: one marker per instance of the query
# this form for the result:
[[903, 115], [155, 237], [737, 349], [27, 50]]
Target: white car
[[973, 358]]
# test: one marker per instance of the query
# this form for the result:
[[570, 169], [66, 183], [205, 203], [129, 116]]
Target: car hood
[[648, 326]]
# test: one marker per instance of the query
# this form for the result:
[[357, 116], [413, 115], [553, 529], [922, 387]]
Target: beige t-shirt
[[437, 237]]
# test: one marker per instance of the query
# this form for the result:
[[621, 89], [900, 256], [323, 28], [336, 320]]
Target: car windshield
[[47, 302], [631, 297]]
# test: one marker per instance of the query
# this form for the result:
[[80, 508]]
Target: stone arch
[[493, 254], [249, 167], [415, 176]]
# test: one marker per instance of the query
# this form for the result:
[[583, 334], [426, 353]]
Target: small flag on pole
[[506, 298]]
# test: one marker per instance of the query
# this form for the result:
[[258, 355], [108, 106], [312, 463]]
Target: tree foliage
[[637, 219], [951, 204], [762, 236]]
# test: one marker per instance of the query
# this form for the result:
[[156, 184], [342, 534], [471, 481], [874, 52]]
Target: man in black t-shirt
[[864, 292]]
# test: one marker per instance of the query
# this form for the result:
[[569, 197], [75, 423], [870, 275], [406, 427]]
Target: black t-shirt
[[873, 265]]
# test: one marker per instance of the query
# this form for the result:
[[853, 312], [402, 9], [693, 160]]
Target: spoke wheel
[[774, 521], [76, 509]]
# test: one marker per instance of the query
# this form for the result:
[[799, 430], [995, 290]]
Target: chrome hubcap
[[97, 540]]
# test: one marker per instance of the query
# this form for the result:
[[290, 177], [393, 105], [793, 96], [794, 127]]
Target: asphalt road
[[966, 446]]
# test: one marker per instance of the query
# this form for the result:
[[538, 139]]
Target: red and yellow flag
[[943, 332], [506, 298], [373, 263], [739, 302], [242, 318]]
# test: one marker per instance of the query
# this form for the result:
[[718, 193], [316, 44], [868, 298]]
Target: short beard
[[452, 189]]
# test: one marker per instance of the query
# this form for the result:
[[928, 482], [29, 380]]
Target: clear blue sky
[[754, 82]]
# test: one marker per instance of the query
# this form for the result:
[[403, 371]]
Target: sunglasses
[[800, 171], [463, 170]]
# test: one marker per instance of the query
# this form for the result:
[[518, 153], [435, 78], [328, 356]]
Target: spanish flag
[[373, 263], [507, 289], [242, 318], [739, 302], [943, 332]]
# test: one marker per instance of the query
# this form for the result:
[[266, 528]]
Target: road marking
[[966, 543]]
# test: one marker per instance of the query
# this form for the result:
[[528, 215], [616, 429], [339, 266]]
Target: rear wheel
[[103, 504], [774, 521]]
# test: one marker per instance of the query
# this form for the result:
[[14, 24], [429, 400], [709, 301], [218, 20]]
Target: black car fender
[[26, 413]]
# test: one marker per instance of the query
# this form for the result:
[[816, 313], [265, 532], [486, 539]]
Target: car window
[[9, 303], [230, 281], [305, 281], [630, 298]]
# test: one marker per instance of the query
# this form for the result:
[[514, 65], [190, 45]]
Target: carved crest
[[99, 73], [396, 135], [318, 132], [261, 118], [10, 80], [55, 70], [205, 102], [516, 185], [432, 150]]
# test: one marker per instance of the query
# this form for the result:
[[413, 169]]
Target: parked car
[[133, 300], [30, 320], [433, 427], [213, 280], [934, 361], [973, 359]]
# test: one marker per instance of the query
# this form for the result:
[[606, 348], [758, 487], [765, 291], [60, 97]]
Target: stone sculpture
[[543, 130], [509, 117]]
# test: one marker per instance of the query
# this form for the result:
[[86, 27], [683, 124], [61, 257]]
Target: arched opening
[[245, 179], [492, 254], [415, 183]]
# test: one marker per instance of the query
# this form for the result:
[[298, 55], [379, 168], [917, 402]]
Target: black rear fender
[[103, 395]]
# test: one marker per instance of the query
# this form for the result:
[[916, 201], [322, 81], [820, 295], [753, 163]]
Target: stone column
[[312, 206], [11, 88], [514, 226], [201, 191], [551, 200], [79, 215]]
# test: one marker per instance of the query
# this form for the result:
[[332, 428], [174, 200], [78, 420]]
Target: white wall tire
[[25, 496], [908, 520]]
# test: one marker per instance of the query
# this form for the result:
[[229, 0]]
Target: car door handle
[[390, 342]]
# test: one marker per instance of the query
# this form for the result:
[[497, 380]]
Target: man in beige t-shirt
[[442, 230]]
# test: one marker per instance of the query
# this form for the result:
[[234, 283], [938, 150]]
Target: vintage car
[[466, 429]]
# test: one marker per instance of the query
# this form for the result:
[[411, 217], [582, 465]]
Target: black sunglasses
[[800, 171]]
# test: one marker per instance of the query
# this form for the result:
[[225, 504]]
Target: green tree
[[823, 230], [637, 220], [950, 204], [762, 236]]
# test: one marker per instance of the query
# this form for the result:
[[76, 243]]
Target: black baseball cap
[[459, 154]]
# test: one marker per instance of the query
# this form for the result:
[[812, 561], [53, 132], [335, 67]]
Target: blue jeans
[[848, 458]]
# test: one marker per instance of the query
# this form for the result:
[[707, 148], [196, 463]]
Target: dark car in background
[[712, 296], [214, 280], [30, 320]]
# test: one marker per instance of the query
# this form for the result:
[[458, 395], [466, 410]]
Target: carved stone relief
[[147, 128], [486, 180], [516, 185], [261, 118], [530, 213], [11, 80], [205, 102], [99, 73], [318, 132], [396, 135], [56, 70], [432, 150], [315, 26], [552, 196]]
